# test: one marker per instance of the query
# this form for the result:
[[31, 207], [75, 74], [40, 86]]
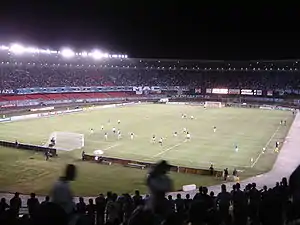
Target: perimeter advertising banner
[[246, 92], [234, 91], [197, 90], [223, 91]]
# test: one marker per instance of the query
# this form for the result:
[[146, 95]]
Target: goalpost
[[212, 104]]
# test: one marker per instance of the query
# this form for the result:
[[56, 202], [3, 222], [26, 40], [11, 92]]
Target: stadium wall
[[28, 147], [144, 165]]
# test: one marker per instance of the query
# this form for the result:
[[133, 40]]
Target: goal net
[[67, 141], [212, 104]]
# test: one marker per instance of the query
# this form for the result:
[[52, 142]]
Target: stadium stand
[[277, 205], [269, 206]]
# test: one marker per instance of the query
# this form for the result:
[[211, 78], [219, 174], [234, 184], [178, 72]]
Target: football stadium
[[114, 117]]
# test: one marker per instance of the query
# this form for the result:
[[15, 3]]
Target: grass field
[[250, 129]]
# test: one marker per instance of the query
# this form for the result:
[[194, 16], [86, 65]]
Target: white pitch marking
[[269, 141], [168, 149], [110, 147]]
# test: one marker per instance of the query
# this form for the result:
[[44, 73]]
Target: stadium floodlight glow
[[97, 54], [67, 53], [3, 47], [17, 49], [84, 54], [32, 50]]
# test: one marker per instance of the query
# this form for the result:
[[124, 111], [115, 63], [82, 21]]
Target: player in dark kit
[[83, 155], [47, 153]]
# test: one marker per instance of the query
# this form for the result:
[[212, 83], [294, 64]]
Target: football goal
[[212, 104], [66, 141]]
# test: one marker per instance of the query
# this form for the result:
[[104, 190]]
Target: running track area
[[287, 161]]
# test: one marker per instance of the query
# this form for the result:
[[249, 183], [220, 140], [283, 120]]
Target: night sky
[[153, 30]]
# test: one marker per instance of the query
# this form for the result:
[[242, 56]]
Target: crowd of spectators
[[16, 74], [270, 206]]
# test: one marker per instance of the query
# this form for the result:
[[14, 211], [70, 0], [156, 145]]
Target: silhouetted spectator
[[100, 209], [15, 204], [33, 205], [137, 199], [180, 207], [3, 206], [223, 200], [171, 203], [112, 210], [187, 202], [254, 203], [91, 209], [51, 214], [239, 206], [81, 206], [47, 200]]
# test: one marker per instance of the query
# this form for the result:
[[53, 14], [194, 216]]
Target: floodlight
[[32, 50], [68, 53], [105, 55], [97, 54], [17, 49], [84, 54]]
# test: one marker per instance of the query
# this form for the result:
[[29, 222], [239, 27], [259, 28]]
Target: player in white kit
[[153, 139], [102, 127], [215, 129], [188, 136], [92, 130], [175, 134], [192, 117], [160, 141], [131, 135], [184, 130], [119, 121], [119, 134], [105, 136], [236, 148], [114, 130]]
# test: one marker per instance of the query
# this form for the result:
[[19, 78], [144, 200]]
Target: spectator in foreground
[[100, 209], [15, 204], [156, 209], [47, 199], [61, 193], [33, 205], [3, 206]]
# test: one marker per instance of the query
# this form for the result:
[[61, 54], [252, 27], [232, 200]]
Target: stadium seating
[[36, 72]]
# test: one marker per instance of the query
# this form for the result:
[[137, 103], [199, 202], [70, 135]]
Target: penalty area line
[[269, 141], [168, 149], [110, 147]]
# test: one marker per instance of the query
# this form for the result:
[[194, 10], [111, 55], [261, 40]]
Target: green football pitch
[[251, 130]]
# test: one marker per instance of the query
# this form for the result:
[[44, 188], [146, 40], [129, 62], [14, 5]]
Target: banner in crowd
[[138, 89]]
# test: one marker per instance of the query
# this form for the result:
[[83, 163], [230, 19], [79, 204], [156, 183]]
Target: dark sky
[[154, 30]]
